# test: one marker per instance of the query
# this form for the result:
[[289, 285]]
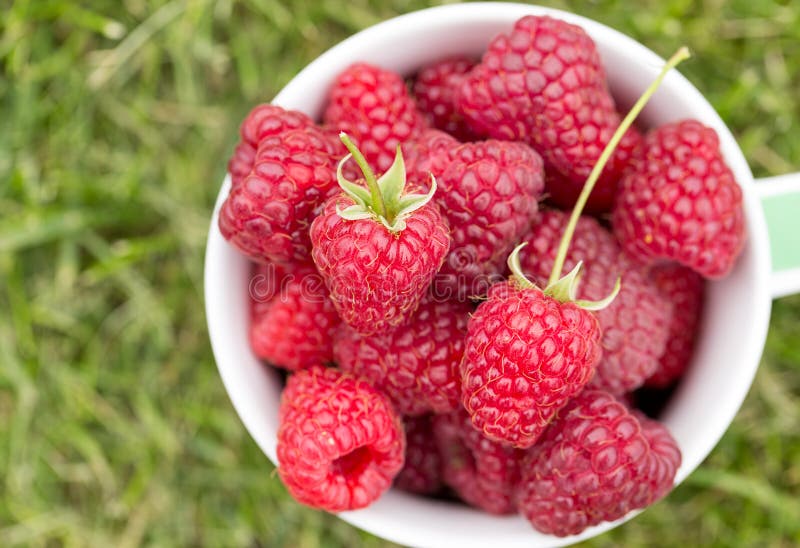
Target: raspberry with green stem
[[530, 351], [564, 289]]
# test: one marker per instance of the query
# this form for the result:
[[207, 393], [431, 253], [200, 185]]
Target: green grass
[[116, 120]]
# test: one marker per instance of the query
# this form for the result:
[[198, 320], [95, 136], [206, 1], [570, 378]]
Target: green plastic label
[[783, 220]]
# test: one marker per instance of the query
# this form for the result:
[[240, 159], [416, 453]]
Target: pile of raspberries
[[380, 237]]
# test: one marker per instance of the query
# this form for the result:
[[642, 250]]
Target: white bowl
[[734, 324]]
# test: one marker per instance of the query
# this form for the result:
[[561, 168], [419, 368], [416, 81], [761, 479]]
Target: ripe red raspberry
[[635, 326], [373, 106], [489, 193], [376, 277], [684, 288], [340, 442], [417, 363], [267, 215], [295, 329], [594, 463], [434, 89], [378, 247], [263, 121], [544, 84], [422, 470], [526, 355], [483, 473], [679, 201]]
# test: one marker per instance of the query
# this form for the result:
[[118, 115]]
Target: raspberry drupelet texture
[[267, 215], [434, 90], [489, 193], [683, 287], [422, 471], [374, 107], [263, 121], [377, 277], [340, 442], [594, 463], [635, 326], [679, 201], [526, 355], [295, 329], [483, 473], [416, 364], [665, 459], [543, 83]]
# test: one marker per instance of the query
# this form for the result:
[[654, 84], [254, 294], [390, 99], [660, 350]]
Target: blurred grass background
[[116, 121]]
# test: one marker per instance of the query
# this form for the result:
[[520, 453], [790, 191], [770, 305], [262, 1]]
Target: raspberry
[[267, 215], [483, 473], [263, 121], [488, 192], [684, 289], [679, 201], [373, 106], [421, 472], [416, 364], [378, 266], [594, 463], [294, 330], [635, 326], [340, 442], [544, 84], [434, 89], [526, 355]]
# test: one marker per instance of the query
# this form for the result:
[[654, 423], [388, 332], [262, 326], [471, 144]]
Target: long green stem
[[369, 175], [558, 265]]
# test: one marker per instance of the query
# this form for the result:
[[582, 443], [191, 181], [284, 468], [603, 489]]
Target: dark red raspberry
[[422, 470], [417, 363], [489, 193], [635, 326], [684, 288], [526, 355], [340, 442], [267, 215], [544, 84], [483, 473], [594, 463], [680, 201], [294, 330], [373, 106], [434, 89], [263, 121]]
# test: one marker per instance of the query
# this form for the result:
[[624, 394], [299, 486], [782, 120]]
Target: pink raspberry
[[340, 442], [434, 89], [596, 462], [415, 364], [483, 473], [263, 121], [422, 470], [294, 329]]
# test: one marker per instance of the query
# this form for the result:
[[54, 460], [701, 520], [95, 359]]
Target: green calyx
[[563, 290], [384, 199]]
